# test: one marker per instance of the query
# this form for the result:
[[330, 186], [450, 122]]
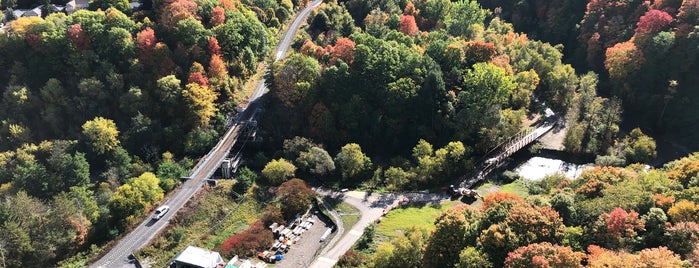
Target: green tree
[[278, 171], [169, 172], [462, 17], [470, 257], [486, 88], [244, 179], [191, 32], [102, 134], [121, 5], [404, 251], [454, 230], [135, 197], [15, 244], [352, 162], [294, 146], [317, 161], [640, 148]]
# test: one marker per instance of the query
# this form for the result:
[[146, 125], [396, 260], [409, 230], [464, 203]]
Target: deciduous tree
[[278, 171], [408, 25], [352, 161], [102, 134], [543, 255], [295, 197]]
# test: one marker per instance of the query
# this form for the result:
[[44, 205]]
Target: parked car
[[160, 212]]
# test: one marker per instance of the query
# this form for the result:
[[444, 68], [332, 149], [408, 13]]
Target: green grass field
[[400, 219]]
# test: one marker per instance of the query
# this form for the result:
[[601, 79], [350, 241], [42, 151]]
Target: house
[[18, 13], [37, 11], [75, 5], [196, 257]]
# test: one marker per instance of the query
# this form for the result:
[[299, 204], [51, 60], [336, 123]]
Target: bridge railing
[[501, 152]]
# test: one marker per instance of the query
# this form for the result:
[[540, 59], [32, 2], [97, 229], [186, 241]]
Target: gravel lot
[[303, 251]]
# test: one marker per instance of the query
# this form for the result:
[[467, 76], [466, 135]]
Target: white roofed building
[[196, 257]]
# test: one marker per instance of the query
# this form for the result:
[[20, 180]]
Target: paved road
[[371, 207], [141, 235]]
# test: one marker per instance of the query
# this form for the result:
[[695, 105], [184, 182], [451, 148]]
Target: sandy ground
[[303, 251]]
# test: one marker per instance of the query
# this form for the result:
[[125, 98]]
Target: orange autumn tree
[[344, 50], [544, 255], [660, 257], [623, 59], [218, 16], [499, 197], [178, 10]]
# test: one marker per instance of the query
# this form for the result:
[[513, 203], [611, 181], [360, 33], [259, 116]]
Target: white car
[[160, 212]]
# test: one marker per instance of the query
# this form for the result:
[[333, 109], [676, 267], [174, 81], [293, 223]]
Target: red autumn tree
[[653, 21], [543, 255], [618, 229], [198, 78], [344, 50], [145, 41], [479, 51], [623, 59], [246, 243], [214, 48], [218, 16], [622, 223], [408, 25], [295, 197], [79, 37]]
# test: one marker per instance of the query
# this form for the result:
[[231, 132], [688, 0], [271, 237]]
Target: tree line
[[644, 53], [607, 217], [104, 110]]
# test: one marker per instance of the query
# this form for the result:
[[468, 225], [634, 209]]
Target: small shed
[[196, 257]]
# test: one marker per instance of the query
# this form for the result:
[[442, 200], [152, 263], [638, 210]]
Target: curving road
[[371, 207], [141, 235]]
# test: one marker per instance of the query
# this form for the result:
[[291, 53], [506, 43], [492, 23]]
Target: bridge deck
[[500, 153]]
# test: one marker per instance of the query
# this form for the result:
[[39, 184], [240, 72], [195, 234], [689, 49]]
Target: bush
[[249, 242]]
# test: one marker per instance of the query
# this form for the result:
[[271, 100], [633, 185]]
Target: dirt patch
[[553, 140]]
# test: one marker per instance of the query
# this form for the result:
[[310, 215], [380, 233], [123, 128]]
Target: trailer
[[326, 234]]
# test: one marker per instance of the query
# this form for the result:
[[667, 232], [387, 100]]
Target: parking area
[[302, 252]]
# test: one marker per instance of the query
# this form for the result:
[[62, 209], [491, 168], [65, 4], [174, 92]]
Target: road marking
[[355, 232]]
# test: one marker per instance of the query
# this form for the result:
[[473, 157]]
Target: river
[[538, 167]]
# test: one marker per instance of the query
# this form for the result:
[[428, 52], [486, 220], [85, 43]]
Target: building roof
[[199, 257]]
